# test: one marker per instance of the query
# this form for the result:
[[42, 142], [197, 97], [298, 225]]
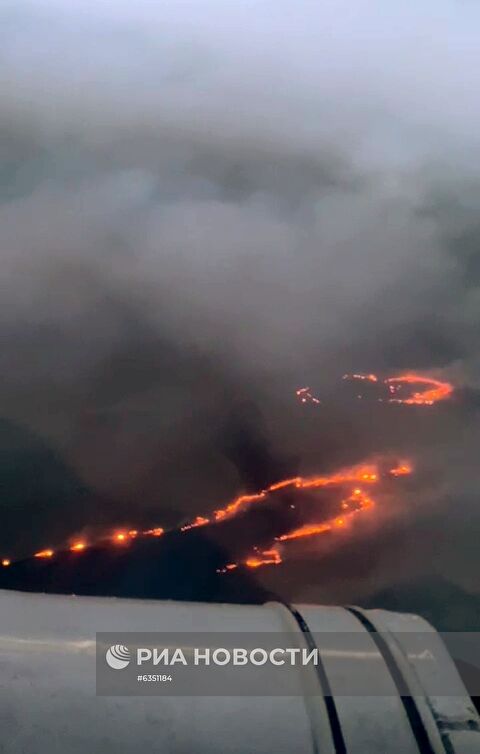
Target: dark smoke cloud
[[204, 207]]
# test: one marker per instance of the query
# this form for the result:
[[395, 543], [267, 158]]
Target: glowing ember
[[120, 536], [262, 558], [267, 557], [199, 521], [402, 469], [306, 396], [78, 547], [155, 532], [307, 530], [368, 377], [44, 554], [6, 562], [228, 567]]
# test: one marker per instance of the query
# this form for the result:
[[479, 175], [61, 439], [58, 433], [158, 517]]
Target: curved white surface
[[47, 684]]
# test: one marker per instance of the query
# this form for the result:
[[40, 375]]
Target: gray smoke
[[204, 207]]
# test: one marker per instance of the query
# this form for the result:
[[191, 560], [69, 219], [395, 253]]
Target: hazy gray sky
[[207, 203]]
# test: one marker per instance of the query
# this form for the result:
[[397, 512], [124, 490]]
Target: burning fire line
[[367, 377], [306, 396], [433, 390], [357, 501]]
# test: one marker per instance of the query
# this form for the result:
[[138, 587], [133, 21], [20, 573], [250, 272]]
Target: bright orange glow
[[360, 473], [267, 557], [157, 532], [403, 469], [307, 530], [367, 377], [78, 547], [357, 502], [199, 521], [229, 567], [434, 389], [237, 504], [366, 473], [6, 562], [286, 483]]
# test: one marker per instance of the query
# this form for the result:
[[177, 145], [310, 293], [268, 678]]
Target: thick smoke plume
[[205, 206]]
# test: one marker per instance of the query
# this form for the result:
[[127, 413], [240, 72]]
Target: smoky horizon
[[238, 242]]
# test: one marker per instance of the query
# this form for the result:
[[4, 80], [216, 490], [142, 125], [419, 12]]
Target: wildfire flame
[[199, 521], [267, 557], [433, 390], [403, 469], [362, 472], [264, 557], [78, 546], [155, 532], [429, 391], [306, 396], [355, 502], [369, 377]]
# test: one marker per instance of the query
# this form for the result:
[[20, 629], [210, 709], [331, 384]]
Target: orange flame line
[[436, 390], [78, 547], [368, 377], [358, 500]]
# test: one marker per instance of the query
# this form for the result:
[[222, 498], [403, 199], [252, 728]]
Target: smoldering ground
[[206, 207]]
